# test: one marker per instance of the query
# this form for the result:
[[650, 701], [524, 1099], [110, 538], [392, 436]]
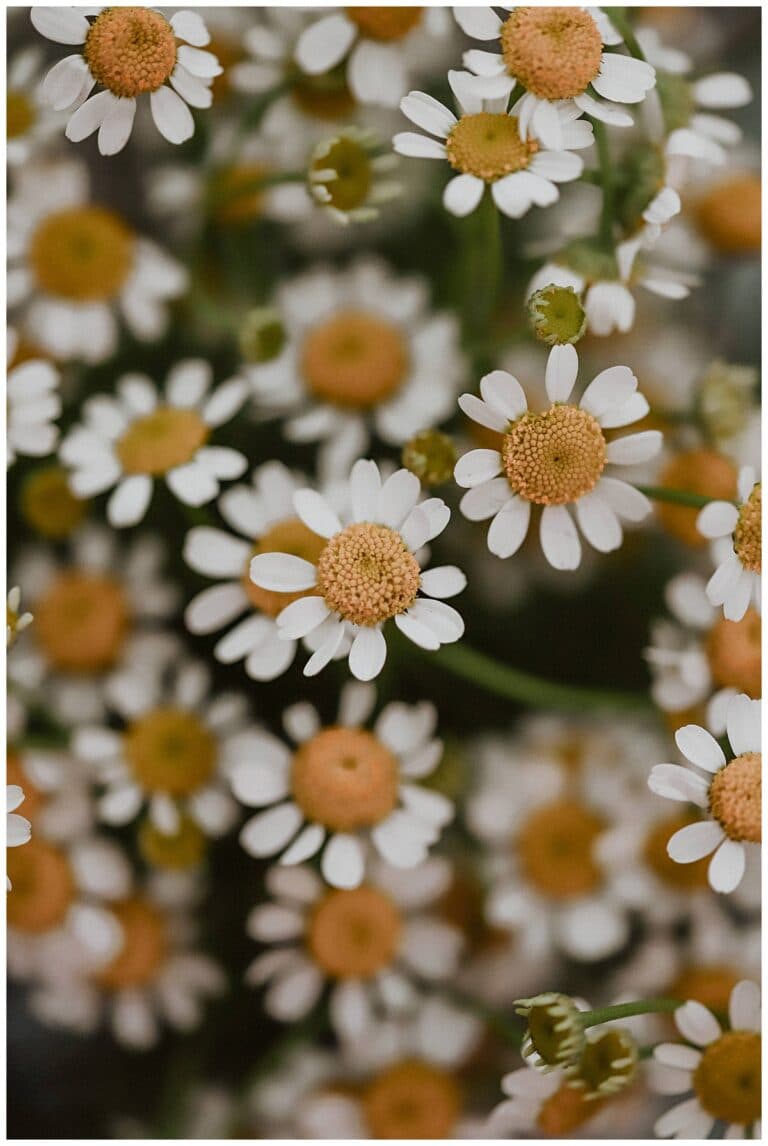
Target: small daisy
[[15, 621], [722, 1068], [29, 124], [129, 52], [137, 436], [33, 405], [362, 352], [343, 786], [487, 146], [737, 529], [558, 56], [555, 459], [730, 791], [18, 829], [368, 573]]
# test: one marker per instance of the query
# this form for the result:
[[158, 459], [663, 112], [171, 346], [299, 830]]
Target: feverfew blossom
[[738, 533]]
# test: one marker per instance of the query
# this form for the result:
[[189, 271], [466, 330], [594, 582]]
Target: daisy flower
[[362, 351], [721, 1068], [555, 459], [558, 56], [18, 829], [343, 786], [487, 146], [58, 796], [130, 439], [15, 621], [33, 405], [29, 123], [368, 573], [730, 790], [737, 529], [129, 52]]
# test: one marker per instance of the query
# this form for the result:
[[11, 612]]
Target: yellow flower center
[[83, 254], [385, 24], [565, 1111], [48, 504], [555, 457], [607, 1064], [727, 1080], [710, 985], [288, 536], [344, 779], [353, 934], [236, 194], [367, 574], [679, 876], [555, 848], [354, 359], [735, 797], [351, 174], [555, 53], [180, 851], [748, 535], [82, 621], [412, 1100], [488, 145], [43, 887], [130, 50], [159, 441], [144, 947], [729, 215], [734, 653], [170, 750], [20, 114], [705, 472]]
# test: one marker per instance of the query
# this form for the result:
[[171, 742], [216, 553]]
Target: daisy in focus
[[737, 531], [556, 459], [729, 789], [343, 787], [367, 574], [33, 405], [138, 435], [129, 52]]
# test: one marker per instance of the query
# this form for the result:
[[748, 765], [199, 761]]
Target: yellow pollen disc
[[15, 774], [144, 948], [170, 750], [555, 457], [734, 653], [43, 886], [555, 53], [289, 536], [748, 535], [353, 934], [82, 621], [565, 1111], [354, 359], [344, 778], [555, 847], [680, 876], [367, 574], [488, 145], [184, 849], [710, 985], [48, 504], [385, 24], [412, 1100], [83, 254], [704, 472], [20, 114], [130, 50], [237, 198], [727, 1080], [158, 442], [735, 798], [729, 215]]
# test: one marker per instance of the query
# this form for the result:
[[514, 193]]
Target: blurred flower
[[32, 409], [349, 178], [28, 126], [18, 829], [58, 797], [737, 529], [15, 621]]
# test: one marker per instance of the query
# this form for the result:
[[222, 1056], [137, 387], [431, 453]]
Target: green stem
[[606, 180], [677, 496], [484, 257], [624, 28], [628, 1011]]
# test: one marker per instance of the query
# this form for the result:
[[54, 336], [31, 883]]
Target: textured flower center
[[341, 174], [43, 886], [734, 653], [385, 24], [354, 359], [288, 536], [144, 946], [705, 472], [555, 847], [727, 1080], [353, 934], [607, 1064], [344, 778], [82, 622], [708, 984], [367, 574], [554, 1031], [679, 876], [48, 504], [488, 145], [159, 441], [735, 797], [170, 750], [20, 114], [565, 1111], [183, 849], [237, 193], [748, 534], [555, 457], [83, 254], [412, 1100], [554, 52], [130, 50]]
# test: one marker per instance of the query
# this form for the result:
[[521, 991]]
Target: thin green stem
[[628, 1011], [624, 28], [606, 181], [677, 496], [483, 235]]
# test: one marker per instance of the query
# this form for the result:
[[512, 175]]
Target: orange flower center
[[48, 504], [367, 574], [170, 750], [488, 145], [353, 934], [710, 985], [130, 51], [344, 779], [735, 797], [565, 1111], [180, 851], [555, 457], [555, 847], [288, 536], [555, 53], [354, 359], [412, 1100], [162, 440], [43, 887], [727, 1080], [385, 24], [144, 947], [748, 535], [734, 653], [705, 472], [83, 254], [82, 622], [680, 876], [730, 215]]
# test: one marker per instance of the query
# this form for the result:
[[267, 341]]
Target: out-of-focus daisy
[[15, 621], [18, 829], [558, 56], [362, 351], [343, 786], [33, 405], [729, 789], [721, 1068], [129, 52], [487, 145], [555, 459], [137, 436], [58, 796], [75, 267], [349, 179], [738, 531], [28, 125]]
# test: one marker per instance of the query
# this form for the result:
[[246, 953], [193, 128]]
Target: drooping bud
[[556, 315]]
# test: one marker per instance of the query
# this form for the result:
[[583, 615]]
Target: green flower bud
[[262, 335], [556, 315], [431, 455]]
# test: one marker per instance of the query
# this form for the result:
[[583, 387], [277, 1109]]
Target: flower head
[[737, 530]]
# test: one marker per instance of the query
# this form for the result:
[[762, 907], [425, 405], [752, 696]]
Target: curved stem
[[677, 496], [628, 1011]]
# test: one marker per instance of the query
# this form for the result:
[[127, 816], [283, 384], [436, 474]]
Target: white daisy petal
[[302, 617], [343, 862], [717, 519], [476, 467], [561, 371], [694, 841], [504, 394], [368, 653], [559, 539], [268, 832], [64, 82], [509, 527], [116, 127], [417, 146], [443, 581], [485, 500], [129, 502], [598, 522], [700, 747], [190, 26], [365, 484], [462, 194], [428, 113], [634, 448], [744, 1006], [282, 572], [172, 117], [697, 1024], [743, 724], [677, 783], [476, 409], [726, 868], [611, 387], [315, 512], [324, 44], [63, 25]]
